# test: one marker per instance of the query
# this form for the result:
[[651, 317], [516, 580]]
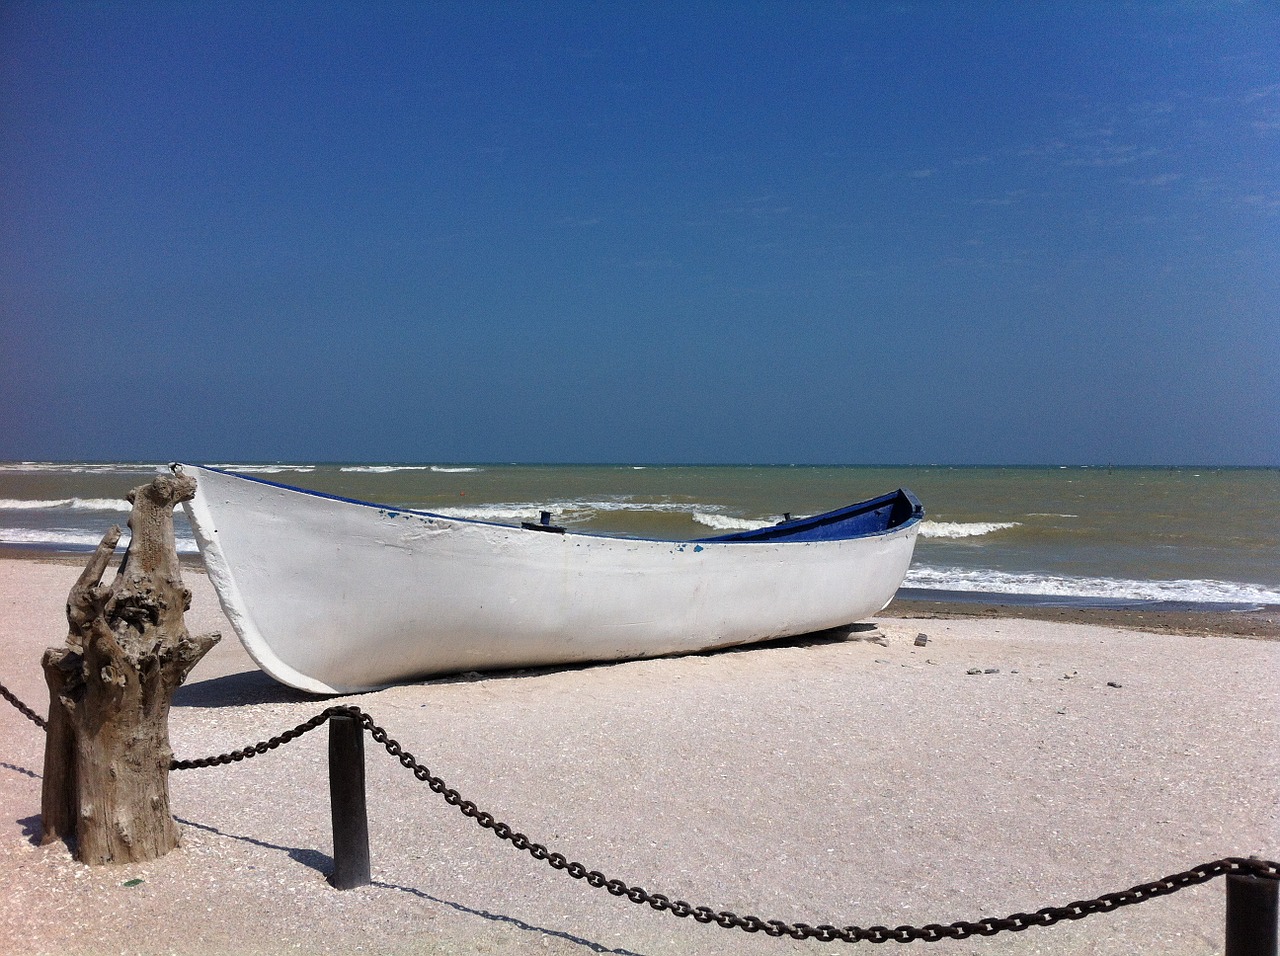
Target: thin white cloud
[[1109, 156], [1270, 91], [1265, 202], [1163, 179]]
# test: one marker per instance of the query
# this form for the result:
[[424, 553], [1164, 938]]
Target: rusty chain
[[826, 932]]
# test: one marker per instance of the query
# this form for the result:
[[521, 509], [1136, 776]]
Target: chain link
[[262, 746], [826, 932], [23, 709]]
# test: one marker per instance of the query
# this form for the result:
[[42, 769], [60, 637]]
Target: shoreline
[[1260, 623], [1227, 620]]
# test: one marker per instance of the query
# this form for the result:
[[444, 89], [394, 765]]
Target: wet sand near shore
[[1261, 623], [1009, 763]]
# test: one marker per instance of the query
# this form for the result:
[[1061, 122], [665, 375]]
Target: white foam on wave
[[79, 468], [390, 469], [266, 469], [963, 529], [576, 511], [730, 523], [14, 504], [63, 538], [65, 504], [569, 511], [988, 581], [500, 513], [381, 469]]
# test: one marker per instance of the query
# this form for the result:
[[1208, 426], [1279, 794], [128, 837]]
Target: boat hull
[[335, 596]]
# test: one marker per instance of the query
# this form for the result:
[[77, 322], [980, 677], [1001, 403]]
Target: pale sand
[[821, 780]]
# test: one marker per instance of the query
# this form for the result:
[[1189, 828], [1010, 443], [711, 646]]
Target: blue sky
[[735, 232]]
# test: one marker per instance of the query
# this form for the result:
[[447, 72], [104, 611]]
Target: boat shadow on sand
[[234, 690], [255, 687]]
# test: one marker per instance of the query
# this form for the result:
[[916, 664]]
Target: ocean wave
[[498, 513], [60, 539], [577, 511], [730, 523], [963, 529], [65, 504], [391, 469], [266, 469], [81, 468], [382, 469], [565, 511], [1001, 582]]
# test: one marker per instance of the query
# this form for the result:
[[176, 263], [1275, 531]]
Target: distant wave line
[[389, 469], [65, 504], [80, 468], [266, 469], [65, 538]]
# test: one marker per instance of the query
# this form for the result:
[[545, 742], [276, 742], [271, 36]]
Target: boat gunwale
[[776, 533]]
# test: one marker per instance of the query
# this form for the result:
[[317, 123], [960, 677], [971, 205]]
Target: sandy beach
[[1017, 760]]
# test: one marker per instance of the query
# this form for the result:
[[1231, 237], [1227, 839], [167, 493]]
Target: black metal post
[[346, 803], [1251, 915]]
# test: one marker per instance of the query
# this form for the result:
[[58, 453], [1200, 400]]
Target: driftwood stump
[[107, 755]]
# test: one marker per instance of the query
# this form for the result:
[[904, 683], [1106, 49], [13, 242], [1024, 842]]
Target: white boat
[[331, 595]]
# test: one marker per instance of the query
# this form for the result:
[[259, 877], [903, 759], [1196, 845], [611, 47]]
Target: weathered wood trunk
[[107, 755]]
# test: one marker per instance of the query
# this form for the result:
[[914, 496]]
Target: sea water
[[1182, 535]]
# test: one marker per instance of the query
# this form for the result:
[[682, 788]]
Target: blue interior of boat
[[856, 521]]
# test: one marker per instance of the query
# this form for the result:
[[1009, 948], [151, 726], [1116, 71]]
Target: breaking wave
[[266, 469], [500, 513], [79, 468], [391, 469], [1001, 582], [381, 469], [65, 504], [580, 512], [963, 529], [729, 523], [67, 539]]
